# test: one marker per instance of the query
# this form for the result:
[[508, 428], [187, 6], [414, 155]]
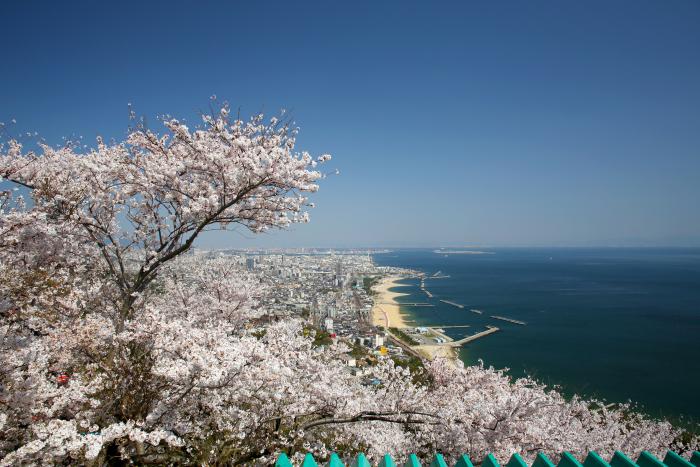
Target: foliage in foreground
[[116, 346]]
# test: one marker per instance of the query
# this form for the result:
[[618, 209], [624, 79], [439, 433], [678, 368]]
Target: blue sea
[[618, 324]]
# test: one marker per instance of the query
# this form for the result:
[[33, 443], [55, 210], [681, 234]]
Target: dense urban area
[[332, 290]]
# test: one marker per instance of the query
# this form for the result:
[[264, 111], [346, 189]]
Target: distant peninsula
[[463, 252]]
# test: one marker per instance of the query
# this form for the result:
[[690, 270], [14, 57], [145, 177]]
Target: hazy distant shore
[[463, 252]]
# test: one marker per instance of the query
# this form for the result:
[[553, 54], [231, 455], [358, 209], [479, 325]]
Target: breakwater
[[510, 320], [478, 335]]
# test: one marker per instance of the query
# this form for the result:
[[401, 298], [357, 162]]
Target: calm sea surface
[[618, 324]]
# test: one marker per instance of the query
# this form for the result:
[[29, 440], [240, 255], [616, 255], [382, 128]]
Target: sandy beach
[[386, 311]]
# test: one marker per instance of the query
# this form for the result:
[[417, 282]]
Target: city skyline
[[543, 124]]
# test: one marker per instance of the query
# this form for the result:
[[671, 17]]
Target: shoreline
[[387, 312]]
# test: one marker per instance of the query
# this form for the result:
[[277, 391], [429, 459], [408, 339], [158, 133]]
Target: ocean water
[[616, 324]]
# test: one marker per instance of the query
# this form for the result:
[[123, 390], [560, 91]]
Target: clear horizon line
[[471, 247]]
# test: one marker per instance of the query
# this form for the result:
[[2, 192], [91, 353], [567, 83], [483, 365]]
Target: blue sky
[[452, 123]]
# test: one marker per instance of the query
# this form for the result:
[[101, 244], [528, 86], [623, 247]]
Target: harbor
[[432, 340]]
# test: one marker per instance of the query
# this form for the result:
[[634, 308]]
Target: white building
[[378, 340]]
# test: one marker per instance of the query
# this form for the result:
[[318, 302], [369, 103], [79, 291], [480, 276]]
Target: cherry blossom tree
[[146, 200], [80, 257], [117, 343]]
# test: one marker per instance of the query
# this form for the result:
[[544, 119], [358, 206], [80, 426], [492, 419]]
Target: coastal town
[[345, 298]]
